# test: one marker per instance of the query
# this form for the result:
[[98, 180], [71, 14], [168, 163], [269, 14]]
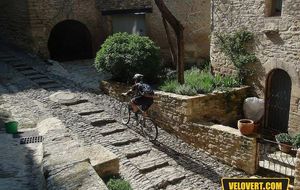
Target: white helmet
[[138, 77]]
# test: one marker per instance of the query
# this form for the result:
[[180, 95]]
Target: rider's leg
[[134, 106]]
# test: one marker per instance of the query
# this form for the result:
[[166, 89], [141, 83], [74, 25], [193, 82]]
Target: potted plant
[[296, 142], [285, 142], [246, 126]]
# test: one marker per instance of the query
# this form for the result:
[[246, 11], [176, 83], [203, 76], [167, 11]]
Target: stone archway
[[277, 100], [70, 40]]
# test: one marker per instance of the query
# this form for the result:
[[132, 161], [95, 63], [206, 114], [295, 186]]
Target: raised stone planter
[[222, 107]]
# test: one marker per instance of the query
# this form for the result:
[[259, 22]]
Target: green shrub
[[284, 138], [296, 141], [118, 184], [234, 47], [197, 82], [124, 54], [169, 86], [185, 90]]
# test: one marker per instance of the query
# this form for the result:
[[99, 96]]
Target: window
[[273, 8], [130, 23]]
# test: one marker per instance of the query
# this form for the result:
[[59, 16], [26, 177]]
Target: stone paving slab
[[135, 149], [66, 98], [99, 119], [164, 176], [151, 161], [86, 108], [78, 176]]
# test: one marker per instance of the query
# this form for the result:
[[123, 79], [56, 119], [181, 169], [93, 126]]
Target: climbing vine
[[234, 47]]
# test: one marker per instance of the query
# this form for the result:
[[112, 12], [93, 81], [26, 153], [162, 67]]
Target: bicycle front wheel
[[125, 113], [149, 129]]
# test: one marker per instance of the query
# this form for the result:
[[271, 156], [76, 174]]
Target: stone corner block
[[104, 161]]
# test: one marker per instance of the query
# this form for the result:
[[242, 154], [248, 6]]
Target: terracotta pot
[[284, 147], [246, 126]]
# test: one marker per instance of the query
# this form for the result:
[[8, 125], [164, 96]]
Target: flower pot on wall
[[246, 126], [285, 148]]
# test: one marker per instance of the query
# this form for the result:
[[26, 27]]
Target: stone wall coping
[[227, 129], [185, 97]]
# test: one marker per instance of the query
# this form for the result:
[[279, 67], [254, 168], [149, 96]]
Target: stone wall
[[297, 172], [15, 22], [123, 5], [195, 17], [28, 24], [222, 108], [276, 43], [224, 143], [177, 114]]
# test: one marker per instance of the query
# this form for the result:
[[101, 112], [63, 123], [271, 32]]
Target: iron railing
[[274, 159]]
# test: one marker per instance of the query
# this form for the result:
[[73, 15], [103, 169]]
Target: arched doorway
[[278, 96], [70, 40]]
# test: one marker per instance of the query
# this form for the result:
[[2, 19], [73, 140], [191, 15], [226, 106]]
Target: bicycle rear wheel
[[149, 129], [125, 113]]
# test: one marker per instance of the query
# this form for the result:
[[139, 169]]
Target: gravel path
[[168, 163]]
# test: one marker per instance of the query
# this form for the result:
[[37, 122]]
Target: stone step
[[111, 128], [99, 119], [150, 162], [86, 108], [19, 64], [50, 86], [30, 72], [44, 81], [24, 68], [163, 177], [37, 77], [12, 59], [6, 56], [121, 139], [135, 149]]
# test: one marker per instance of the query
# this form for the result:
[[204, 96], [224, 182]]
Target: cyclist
[[143, 94]]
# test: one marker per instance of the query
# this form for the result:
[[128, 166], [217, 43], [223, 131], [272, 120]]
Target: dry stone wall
[[276, 43]]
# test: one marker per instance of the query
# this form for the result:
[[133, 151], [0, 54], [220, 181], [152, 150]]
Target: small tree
[[124, 54]]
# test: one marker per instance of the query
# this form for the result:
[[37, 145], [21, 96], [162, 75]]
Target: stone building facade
[[276, 27], [39, 25], [29, 24]]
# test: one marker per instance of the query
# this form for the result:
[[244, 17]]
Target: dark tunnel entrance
[[70, 40]]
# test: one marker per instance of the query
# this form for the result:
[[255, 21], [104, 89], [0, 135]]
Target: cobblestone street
[[168, 163]]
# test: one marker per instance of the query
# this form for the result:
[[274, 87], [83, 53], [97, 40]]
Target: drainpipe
[[212, 8]]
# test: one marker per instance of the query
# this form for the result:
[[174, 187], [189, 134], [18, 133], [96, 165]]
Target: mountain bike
[[148, 126]]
